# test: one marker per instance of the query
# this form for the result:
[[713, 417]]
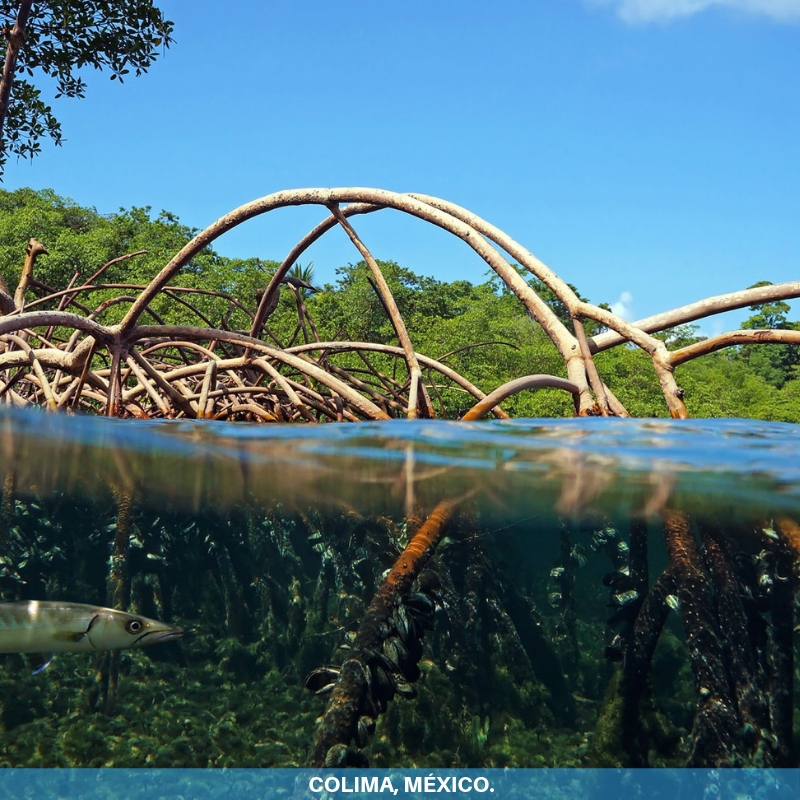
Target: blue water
[[737, 462], [268, 543]]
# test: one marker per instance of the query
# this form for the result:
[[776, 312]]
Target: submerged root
[[384, 652], [742, 660]]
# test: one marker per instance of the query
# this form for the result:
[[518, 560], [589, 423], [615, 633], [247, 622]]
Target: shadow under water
[[516, 594]]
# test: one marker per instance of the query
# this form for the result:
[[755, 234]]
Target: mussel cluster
[[624, 605], [385, 656], [624, 599]]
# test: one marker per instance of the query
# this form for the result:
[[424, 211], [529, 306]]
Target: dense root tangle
[[61, 359], [733, 591]]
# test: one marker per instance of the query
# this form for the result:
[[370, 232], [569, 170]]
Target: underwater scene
[[529, 593]]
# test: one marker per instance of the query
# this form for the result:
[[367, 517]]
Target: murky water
[[593, 592]]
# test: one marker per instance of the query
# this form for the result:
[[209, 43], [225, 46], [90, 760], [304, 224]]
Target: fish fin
[[68, 636], [44, 666]]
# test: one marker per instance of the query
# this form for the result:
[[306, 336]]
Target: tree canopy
[[58, 39]]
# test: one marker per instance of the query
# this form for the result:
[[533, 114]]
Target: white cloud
[[623, 306], [653, 10]]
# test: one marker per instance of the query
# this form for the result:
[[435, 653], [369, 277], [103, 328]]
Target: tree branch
[[34, 249], [731, 339], [16, 37], [703, 308]]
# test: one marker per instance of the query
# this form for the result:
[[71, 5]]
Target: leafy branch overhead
[[58, 39]]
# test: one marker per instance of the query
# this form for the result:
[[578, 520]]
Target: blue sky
[[646, 150]]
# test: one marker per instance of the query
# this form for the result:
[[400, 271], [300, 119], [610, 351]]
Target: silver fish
[[54, 626]]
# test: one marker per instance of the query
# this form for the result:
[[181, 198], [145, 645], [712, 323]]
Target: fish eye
[[134, 626]]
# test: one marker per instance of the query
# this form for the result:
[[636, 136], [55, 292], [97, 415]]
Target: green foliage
[[303, 273], [62, 37], [352, 308], [481, 331], [680, 336], [80, 241], [721, 386], [628, 372], [484, 334], [768, 315], [775, 363]]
